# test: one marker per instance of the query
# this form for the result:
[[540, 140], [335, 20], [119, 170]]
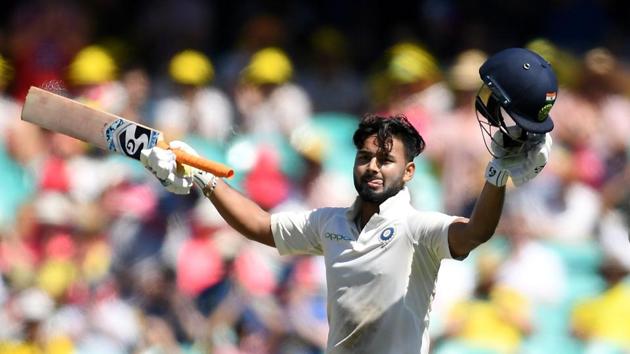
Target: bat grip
[[217, 169]]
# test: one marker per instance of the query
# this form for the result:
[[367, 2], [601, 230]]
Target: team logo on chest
[[387, 235]]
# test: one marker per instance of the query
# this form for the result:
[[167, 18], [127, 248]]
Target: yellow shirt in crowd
[[492, 323], [605, 318]]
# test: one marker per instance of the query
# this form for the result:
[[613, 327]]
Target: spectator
[[415, 85], [32, 310], [195, 107], [14, 155], [530, 268], [258, 32], [93, 79], [603, 322], [453, 143], [9, 108], [43, 37], [137, 84], [329, 79], [267, 99], [496, 319], [562, 208]]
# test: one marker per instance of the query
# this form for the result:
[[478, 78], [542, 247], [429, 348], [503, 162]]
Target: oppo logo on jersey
[[336, 237]]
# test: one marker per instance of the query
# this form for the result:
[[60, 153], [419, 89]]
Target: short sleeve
[[296, 232], [430, 229]]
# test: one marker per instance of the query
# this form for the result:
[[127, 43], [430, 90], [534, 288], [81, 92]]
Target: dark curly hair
[[385, 128]]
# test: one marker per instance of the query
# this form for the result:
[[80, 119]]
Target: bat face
[[104, 130], [129, 138]]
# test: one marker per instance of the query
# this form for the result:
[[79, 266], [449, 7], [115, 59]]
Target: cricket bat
[[104, 130]]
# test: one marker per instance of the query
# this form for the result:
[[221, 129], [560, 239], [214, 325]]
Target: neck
[[367, 210]]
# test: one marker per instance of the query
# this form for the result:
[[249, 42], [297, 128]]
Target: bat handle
[[217, 169]]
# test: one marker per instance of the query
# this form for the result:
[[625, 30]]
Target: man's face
[[380, 174]]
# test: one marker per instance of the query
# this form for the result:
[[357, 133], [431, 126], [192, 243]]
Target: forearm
[[522, 165], [242, 214], [486, 214], [464, 235]]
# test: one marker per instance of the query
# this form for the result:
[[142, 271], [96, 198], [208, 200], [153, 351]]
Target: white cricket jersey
[[381, 280]]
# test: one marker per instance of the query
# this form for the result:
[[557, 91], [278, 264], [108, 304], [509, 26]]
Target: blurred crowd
[[95, 256]]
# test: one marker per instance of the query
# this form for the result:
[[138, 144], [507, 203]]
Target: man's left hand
[[528, 163], [535, 160]]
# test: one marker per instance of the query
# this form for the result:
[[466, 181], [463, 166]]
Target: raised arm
[[464, 235], [239, 212], [519, 90]]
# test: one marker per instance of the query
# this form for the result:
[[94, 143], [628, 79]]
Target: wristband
[[206, 182], [495, 174]]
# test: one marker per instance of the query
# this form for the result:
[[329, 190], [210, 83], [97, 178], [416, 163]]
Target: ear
[[410, 169]]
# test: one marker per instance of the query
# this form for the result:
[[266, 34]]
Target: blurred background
[[95, 257]]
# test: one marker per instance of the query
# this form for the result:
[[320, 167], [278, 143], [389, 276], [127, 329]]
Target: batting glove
[[536, 159], [496, 173], [521, 163], [162, 164], [175, 177]]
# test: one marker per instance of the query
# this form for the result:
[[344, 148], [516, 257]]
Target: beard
[[367, 194]]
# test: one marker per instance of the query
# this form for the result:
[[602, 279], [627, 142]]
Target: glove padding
[[161, 163], [535, 162], [521, 163]]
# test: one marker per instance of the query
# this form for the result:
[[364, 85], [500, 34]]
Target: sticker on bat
[[129, 138]]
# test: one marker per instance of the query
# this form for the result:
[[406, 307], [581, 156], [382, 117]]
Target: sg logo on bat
[[129, 138]]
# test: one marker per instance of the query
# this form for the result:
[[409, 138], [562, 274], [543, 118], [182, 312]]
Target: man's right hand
[[162, 164]]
